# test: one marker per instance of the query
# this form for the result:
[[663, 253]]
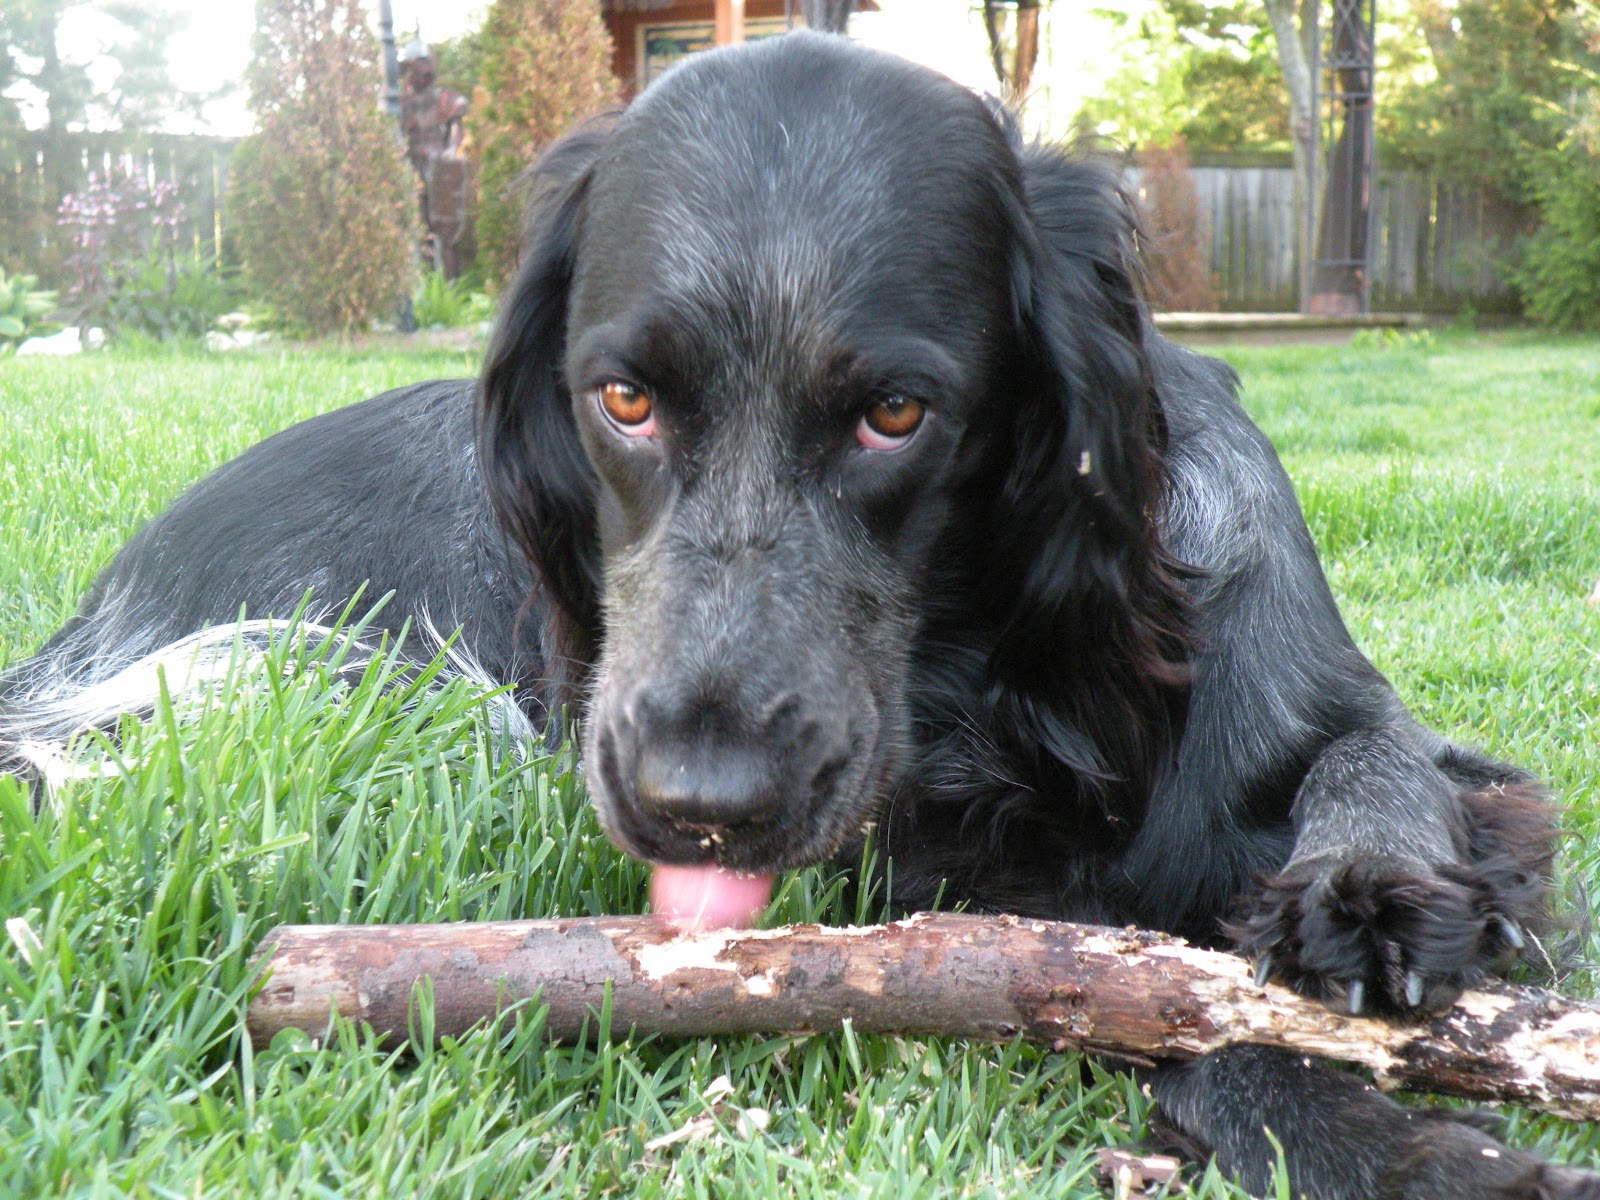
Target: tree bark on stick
[[1120, 992]]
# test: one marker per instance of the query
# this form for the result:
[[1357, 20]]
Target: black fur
[[1069, 647]]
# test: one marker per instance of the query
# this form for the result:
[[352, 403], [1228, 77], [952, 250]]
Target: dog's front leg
[[1405, 884], [1338, 1137]]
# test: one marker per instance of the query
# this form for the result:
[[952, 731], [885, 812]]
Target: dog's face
[[787, 294], [782, 320]]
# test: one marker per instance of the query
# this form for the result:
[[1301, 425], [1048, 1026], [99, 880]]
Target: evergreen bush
[[1559, 276], [543, 66], [323, 202]]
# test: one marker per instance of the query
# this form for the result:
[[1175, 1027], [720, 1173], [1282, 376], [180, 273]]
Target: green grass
[[1452, 487]]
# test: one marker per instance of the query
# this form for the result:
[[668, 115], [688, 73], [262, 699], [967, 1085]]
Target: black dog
[[851, 485]]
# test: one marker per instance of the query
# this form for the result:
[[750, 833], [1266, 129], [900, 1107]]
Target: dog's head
[[806, 358]]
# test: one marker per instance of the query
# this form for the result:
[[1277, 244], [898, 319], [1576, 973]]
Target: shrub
[[118, 223], [451, 303], [1502, 75], [23, 310], [322, 197], [543, 65], [165, 300], [1559, 276], [124, 272], [458, 60], [1177, 256], [1392, 339]]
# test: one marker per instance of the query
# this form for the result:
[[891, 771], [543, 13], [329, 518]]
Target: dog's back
[[377, 501]]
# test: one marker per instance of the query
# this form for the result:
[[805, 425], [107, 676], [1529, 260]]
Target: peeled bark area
[[1122, 992]]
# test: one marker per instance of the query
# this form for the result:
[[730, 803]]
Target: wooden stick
[[1121, 992]]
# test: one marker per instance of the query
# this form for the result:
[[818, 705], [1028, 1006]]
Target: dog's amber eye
[[889, 423], [628, 407]]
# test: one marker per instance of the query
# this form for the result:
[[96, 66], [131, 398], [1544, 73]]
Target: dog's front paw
[[1373, 936]]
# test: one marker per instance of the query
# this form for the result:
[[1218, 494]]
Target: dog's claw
[[1263, 970], [1509, 933], [1413, 989], [1358, 992]]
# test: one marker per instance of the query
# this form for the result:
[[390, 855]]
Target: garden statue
[[430, 118]]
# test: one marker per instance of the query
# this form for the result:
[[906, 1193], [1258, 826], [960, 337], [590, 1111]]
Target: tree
[[1231, 80], [1506, 72], [32, 58], [32, 65], [1013, 28], [322, 195], [1202, 73], [460, 60], [543, 66], [46, 83], [1226, 74], [1294, 29], [1513, 108]]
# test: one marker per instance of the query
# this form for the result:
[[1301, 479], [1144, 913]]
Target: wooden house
[[651, 35]]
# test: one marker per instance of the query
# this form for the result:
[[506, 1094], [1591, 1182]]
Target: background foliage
[[1560, 271], [136, 93], [1502, 84], [1515, 109], [25, 309], [322, 197], [1201, 72], [1496, 95], [1176, 245], [124, 272], [56, 84], [542, 66]]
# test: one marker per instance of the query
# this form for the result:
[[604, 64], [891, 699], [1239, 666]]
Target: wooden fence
[[1436, 248], [38, 169]]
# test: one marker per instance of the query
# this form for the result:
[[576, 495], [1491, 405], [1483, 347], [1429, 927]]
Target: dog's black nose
[[708, 783]]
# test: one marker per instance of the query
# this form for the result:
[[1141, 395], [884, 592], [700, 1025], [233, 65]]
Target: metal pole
[[1371, 240], [1342, 265], [1308, 241], [391, 61], [405, 320]]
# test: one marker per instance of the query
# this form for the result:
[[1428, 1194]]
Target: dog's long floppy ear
[[539, 480], [1094, 645]]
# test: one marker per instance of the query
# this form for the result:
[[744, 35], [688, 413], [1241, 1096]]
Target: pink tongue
[[707, 897]]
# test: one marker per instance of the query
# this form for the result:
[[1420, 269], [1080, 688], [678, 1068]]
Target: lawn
[[1452, 486]]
